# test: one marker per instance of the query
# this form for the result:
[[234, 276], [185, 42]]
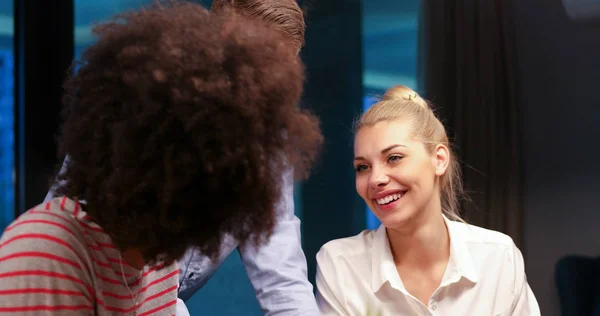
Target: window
[[7, 193], [390, 40]]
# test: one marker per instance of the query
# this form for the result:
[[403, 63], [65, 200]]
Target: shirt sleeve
[[524, 302], [50, 194], [277, 269], [330, 297], [42, 269], [181, 309], [196, 268]]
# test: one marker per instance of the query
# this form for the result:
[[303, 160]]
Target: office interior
[[515, 82]]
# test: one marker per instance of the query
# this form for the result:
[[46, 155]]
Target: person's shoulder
[[44, 240], [41, 227], [478, 235], [43, 248], [349, 246]]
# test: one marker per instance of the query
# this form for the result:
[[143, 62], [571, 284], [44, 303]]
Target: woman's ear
[[441, 159]]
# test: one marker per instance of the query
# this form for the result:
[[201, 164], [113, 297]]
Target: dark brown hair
[[284, 16], [180, 125]]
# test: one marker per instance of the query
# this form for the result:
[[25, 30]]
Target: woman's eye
[[395, 158], [360, 168]]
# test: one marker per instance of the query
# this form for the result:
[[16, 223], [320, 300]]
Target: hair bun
[[404, 93]]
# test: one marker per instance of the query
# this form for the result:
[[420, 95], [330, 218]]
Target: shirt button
[[433, 306]]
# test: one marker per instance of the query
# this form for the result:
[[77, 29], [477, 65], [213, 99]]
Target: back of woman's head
[[179, 125], [284, 16], [401, 103]]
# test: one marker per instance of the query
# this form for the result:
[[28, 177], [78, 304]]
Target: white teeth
[[389, 198]]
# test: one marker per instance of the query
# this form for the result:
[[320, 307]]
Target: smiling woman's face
[[395, 174]]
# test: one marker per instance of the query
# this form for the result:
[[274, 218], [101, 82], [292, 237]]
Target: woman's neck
[[424, 244], [134, 258]]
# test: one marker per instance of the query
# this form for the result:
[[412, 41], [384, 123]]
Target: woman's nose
[[379, 178]]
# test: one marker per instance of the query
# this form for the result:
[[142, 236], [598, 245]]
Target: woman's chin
[[394, 218]]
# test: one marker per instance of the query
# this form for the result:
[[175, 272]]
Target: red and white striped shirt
[[54, 260]]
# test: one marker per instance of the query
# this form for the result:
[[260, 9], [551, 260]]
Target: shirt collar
[[460, 263], [382, 262], [459, 252]]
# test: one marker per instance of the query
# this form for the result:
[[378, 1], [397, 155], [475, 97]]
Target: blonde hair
[[402, 103]]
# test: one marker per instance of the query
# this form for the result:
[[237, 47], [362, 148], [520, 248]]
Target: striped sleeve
[[44, 267]]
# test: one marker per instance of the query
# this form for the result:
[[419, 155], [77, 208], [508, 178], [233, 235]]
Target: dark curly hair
[[180, 125]]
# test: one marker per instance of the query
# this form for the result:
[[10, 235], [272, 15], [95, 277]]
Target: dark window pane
[[6, 114]]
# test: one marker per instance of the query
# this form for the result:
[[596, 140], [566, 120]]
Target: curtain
[[468, 71]]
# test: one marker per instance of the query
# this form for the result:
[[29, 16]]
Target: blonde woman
[[423, 259]]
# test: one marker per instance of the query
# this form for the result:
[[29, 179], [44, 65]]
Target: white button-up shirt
[[485, 275]]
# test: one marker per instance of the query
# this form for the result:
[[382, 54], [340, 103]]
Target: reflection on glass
[[6, 114], [390, 41], [88, 13]]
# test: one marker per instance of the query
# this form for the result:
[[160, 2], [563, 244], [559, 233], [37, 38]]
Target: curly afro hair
[[180, 124]]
